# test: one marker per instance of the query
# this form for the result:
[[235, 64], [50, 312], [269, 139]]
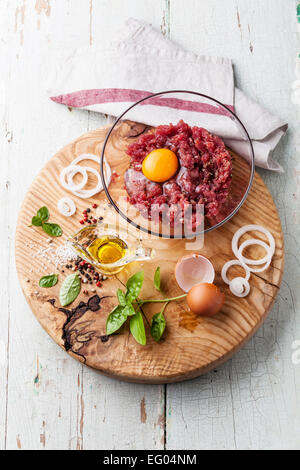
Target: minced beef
[[204, 174]]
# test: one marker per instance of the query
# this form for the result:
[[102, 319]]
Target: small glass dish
[[195, 109], [109, 250]]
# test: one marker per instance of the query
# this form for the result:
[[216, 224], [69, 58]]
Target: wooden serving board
[[191, 345]]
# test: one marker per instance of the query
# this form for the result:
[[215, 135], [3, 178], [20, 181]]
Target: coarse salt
[[56, 255]]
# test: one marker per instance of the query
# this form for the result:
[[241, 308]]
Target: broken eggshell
[[193, 269]]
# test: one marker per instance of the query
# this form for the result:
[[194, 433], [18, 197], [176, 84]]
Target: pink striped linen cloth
[[139, 61]]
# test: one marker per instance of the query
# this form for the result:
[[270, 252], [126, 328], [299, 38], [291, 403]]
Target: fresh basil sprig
[[158, 324], [48, 281], [69, 290], [121, 297], [137, 328], [36, 221], [157, 279], [41, 216], [125, 309], [40, 220], [129, 306], [129, 309], [54, 230], [115, 320], [134, 285]]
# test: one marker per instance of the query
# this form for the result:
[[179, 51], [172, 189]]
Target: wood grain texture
[[39, 387], [191, 345], [250, 402]]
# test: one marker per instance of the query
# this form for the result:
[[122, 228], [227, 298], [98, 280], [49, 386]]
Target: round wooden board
[[191, 345]]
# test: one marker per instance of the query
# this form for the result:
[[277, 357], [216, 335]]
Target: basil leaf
[[115, 319], [157, 279], [48, 281], [69, 290], [53, 230], [129, 309], [134, 285], [43, 214], [137, 328], [158, 325], [36, 221], [121, 297]]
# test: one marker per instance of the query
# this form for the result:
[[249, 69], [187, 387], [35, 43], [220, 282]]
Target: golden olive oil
[[107, 249]]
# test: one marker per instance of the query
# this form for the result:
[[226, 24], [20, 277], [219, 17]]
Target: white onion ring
[[94, 158], [230, 263], [70, 186], [71, 170], [239, 286], [249, 228], [86, 156], [245, 261], [86, 193], [254, 241], [66, 206]]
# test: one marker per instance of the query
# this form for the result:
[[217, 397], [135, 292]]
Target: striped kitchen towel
[[140, 61]]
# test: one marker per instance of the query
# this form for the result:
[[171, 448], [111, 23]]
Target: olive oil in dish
[[107, 249]]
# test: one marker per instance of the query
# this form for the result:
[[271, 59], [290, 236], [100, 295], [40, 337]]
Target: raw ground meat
[[204, 175]]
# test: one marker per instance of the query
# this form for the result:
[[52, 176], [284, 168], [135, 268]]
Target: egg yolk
[[160, 165]]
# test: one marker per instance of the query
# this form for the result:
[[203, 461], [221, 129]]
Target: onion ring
[[267, 259], [66, 206], [70, 186], [71, 170], [86, 193], [239, 286], [86, 156], [248, 228], [230, 263], [254, 241], [94, 158]]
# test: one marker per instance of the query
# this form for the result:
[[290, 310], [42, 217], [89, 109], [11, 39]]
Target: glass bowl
[[195, 109]]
